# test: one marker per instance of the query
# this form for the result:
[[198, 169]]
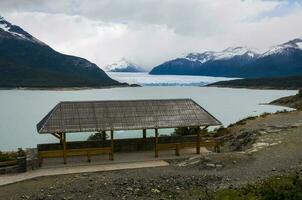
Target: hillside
[[242, 62], [290, 83], [27, 62]]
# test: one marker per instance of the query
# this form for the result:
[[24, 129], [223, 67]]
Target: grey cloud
[[189, 17], [149, 32]]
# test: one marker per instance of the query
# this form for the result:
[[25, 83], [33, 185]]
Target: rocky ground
[[254, 150]]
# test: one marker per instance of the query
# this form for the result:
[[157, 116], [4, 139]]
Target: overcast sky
[[149, 32]]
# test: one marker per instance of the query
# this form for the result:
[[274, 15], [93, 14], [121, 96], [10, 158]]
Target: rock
[[274, 169], [211, 165], [129, 189], [24, 197], [155, 190]]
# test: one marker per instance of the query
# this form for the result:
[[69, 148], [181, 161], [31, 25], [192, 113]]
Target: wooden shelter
[[102, 116]]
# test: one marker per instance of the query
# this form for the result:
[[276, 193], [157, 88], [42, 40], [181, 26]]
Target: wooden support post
[[104, 135], [88, 157], [56, 135], [63, 136], [144, 134], [177, 149], [198, 142], [111, 156], [156, 143]]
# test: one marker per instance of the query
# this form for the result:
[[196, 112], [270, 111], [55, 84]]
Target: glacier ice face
[[146, 79]]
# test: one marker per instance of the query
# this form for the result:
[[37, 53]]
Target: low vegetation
[[9, 156], [276, 188], [185, 131], [290, 83], [98, 136]]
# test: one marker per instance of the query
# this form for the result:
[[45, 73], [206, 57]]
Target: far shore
[[250, 88], [67, 88]]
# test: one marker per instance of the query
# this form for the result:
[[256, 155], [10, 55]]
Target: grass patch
[[242, 121], [276, 188]]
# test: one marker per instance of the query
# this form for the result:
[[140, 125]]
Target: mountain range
[[26, 61], [123, 65], [242, 62]]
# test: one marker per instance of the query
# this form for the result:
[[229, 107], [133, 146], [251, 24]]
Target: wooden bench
[[204, 143], [169, 146], [8, 163], [75, 152], [208, 143]]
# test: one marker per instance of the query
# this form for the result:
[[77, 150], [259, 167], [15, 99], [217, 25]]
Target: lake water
[[20, 110]]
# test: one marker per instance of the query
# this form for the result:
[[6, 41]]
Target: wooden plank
[[8, 163], [169, 146], [56, 135], [207, 143], [74, 152]]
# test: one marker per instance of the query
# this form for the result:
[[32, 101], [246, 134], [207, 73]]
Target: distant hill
[[27, 62], [279, 61], [292, 83], [124, 65]]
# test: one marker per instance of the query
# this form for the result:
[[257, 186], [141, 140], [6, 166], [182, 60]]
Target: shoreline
[[131, 86], [249, 88], [65, 88]]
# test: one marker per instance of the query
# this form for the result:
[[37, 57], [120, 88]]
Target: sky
[[149, 32]]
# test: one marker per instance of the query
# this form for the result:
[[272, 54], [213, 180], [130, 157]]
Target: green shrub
[[7, 156], [187, 131], [98, 136], [276, 188]]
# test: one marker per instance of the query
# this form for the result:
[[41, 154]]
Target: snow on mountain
[[123, 65], [223, 55], [17, 32], [280, 49]]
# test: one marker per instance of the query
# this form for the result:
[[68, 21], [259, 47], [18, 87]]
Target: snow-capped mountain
[[223, 55], [283, 48], [123, 65], [281, 60], [27, 62], [16, 31]]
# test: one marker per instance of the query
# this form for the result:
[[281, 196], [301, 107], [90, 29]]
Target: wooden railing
[[8, 163], [76, 152], [215, 144]]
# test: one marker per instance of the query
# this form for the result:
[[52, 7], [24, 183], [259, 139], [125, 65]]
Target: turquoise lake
[[21, 110]]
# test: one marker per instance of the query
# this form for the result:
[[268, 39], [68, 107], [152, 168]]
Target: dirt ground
[[265, 146]]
